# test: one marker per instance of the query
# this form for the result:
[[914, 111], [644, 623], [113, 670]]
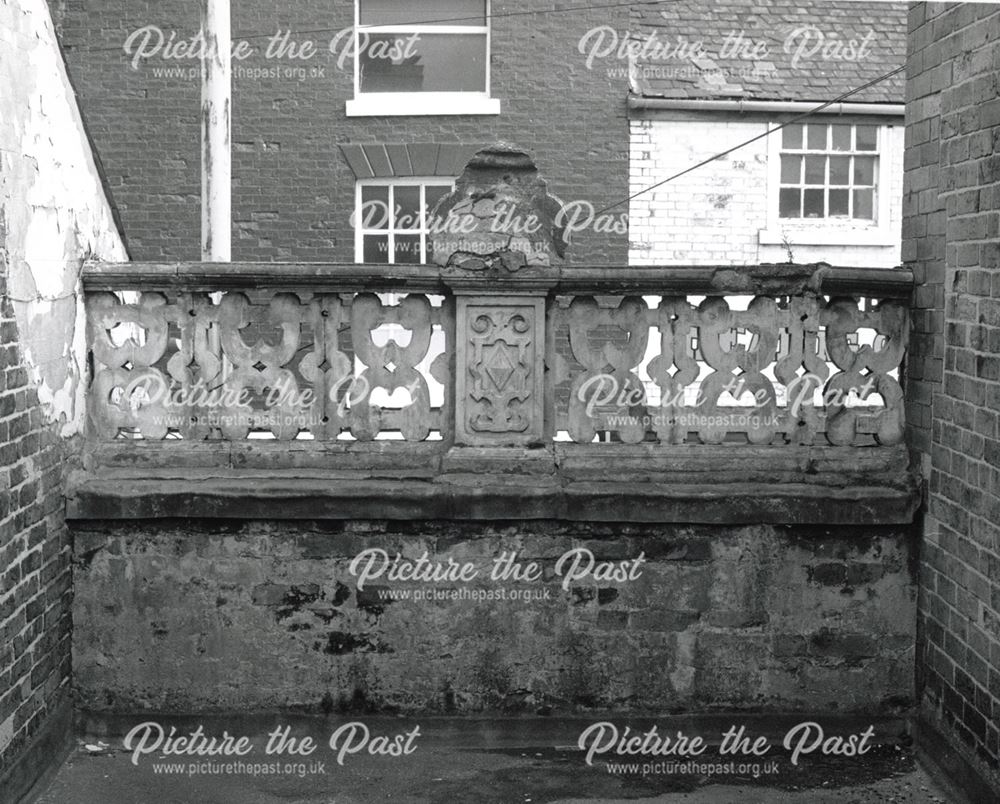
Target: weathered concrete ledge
[[726, 484], [291, 494], [242, 496]]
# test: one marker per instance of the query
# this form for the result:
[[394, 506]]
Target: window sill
[[422, 105], [804, 234]]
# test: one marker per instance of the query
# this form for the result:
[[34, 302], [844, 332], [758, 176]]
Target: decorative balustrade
[[309, 357], [518, 369]]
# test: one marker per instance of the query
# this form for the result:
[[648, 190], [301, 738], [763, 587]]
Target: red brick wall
[[35, 558], [951, 231], [293, 190]]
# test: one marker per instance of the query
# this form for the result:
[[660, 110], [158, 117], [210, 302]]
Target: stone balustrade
[[784, 373]]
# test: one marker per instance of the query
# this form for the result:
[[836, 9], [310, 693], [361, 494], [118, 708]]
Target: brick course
[[952, 210]]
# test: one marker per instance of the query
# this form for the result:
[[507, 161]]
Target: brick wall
[[714, 215], [35, 571], [293, 189], [951, 231], [53, 213]]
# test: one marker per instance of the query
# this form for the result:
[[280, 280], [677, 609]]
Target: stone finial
[[500, 215]]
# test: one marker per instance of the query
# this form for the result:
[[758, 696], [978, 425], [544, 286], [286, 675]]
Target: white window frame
[[372, 104], [391, 182], [832, 231]]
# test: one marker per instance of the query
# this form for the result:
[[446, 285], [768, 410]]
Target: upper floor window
[[421, 57], [829, 170]]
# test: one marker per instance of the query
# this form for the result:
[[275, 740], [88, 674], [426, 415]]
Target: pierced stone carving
[[865, 370], [391, 367], [787, 369], [768, 368], [609, 395], [193, 369]]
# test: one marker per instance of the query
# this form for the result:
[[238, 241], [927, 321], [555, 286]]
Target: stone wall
[[52, 214], [952, 240], [196, 615]]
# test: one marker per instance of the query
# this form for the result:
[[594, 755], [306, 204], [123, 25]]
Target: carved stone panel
[[500, 383]]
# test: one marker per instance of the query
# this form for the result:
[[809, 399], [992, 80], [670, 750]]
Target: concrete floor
[[479, 760]]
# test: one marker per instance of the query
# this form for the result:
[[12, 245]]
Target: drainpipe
[[216, 157]]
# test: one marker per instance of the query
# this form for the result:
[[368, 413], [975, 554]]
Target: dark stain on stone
[[448, 697], [339, 643], [296, 599], [357, 704], [373, 599], [849, 647], [828, 574], [341, 594], [606, 595], [859, 573], [582, 594]]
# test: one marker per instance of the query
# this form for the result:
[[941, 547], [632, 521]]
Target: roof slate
[[773, 50]]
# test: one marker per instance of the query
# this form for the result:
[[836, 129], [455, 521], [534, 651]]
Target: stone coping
[[696, 484], [765, 279]]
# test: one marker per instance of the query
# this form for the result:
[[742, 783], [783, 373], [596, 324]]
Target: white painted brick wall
[[715, 213]]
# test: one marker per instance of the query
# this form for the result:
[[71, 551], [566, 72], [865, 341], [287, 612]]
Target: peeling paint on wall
[[53, 205]]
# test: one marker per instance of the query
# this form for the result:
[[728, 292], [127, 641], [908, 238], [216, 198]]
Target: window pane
[[817, 136], [791, 136], [407, 206], [838, 202], [867, 138], [841, 137], [408, 248], [815, 170], [374, 213], [423, 12], [812, 203], [840, 169], [864, 170], [863, 204], [376, 248], [791, 169], [789, 202], [437, 63]]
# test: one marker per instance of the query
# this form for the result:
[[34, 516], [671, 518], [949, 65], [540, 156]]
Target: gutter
[[642, 103]]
